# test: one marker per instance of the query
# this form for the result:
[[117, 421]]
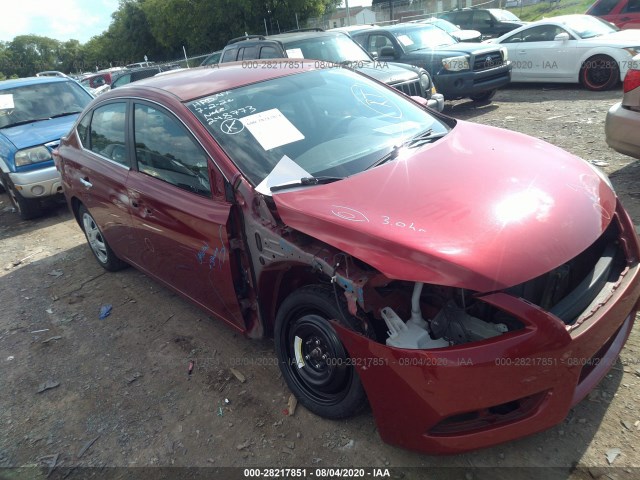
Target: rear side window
[[603, 7], [632, 6], [269, 52], [123, 80], [229, 55], [166, 150], [247, 53], [481, 19], [143, 74], [107, 132]]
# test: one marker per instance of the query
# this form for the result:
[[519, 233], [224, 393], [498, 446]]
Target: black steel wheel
[[599, 72], [313, 360]]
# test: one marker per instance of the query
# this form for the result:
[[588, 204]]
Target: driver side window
[[377, 42]]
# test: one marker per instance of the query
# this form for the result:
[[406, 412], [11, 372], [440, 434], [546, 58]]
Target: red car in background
[[96, 80], [471, 283], [622, 13]]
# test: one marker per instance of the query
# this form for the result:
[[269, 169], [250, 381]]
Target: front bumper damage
[[462, 398], [474, 395]]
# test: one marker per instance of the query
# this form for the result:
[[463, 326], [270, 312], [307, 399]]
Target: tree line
[[157, 29]]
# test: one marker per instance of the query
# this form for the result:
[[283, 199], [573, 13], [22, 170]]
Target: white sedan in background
[[571, 49]]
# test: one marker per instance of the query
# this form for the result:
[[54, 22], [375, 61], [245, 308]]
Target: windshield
[[587, 26], [504, 15], [336, 49], [41, 101], [330, 122], [425, 37], [443, 25]]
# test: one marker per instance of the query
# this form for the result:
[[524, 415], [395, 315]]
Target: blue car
[[34, 114]]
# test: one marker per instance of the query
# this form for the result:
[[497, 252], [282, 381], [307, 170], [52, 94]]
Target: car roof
[[293, 36], [410, 26], [560, 19], [201, 81], [127, 71], [21, 82], [351, 28]]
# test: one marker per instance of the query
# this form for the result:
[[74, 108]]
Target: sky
[[58, 19], [66, 19]]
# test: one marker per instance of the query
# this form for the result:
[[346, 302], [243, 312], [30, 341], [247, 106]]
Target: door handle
[[625, 19], [86, 183]]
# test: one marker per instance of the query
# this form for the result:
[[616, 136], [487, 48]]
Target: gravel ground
[[116, 392]]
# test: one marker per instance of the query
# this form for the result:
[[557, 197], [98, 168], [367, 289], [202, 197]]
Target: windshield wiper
[[306, 181], [426, 136], [64, 114]]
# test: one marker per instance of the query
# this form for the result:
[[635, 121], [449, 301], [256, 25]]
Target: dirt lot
[[122, 383]]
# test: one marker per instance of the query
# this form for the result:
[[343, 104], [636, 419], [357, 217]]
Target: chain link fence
[[398, 11]]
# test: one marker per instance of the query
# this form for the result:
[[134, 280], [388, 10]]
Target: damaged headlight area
[[440, 317]]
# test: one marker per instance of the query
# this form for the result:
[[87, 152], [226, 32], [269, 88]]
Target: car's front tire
[[600, 72], [484, 97], [98, 244], [313, 360], [27, 208]]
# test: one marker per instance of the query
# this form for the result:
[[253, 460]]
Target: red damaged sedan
[[471, 284]]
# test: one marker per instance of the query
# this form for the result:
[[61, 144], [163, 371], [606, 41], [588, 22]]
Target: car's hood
[[467, 35], [388, 73], [39, 133], [481, 208], [462, 47], [622, 38]]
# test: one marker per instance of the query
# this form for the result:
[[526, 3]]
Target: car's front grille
[[485, 61], [569, 289], [411, 88]]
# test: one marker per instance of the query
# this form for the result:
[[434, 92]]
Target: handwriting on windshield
[[376, 101]]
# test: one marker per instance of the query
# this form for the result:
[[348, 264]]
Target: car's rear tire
[[600, 72], [27, 208], [313, 360], [484, 97], [99, 246]]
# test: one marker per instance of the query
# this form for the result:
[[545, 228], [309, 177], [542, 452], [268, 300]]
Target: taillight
[[631, 80]]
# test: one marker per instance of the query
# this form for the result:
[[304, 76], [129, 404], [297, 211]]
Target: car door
[[179, 215], [100, 170], [537, 56]]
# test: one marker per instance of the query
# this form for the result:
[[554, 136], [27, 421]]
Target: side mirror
[[561, 37], [387, 52], [421, 100]]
